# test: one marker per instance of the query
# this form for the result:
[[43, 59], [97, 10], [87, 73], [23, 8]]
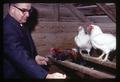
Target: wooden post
[[56, 11]]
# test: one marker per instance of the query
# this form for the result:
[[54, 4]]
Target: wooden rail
[[92, 59], [83, 69]]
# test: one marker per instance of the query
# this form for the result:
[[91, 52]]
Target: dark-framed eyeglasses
[[23, 10]]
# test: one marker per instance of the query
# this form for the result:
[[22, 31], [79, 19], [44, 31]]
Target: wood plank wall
[[48, 34], [59, 34]]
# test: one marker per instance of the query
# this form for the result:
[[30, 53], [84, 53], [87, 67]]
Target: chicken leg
[[106, 58], [100, 57], [88, 51], [81, 52]]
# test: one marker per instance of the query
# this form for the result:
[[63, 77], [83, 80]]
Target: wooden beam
[[91, 11], [92, 59], [83, 69], [77, 13], [92, 6], [107, 11], [100, 19]]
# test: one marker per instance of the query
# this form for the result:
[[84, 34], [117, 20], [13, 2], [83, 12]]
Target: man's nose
[[27, 14]]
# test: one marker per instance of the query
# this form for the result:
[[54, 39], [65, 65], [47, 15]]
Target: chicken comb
[[90, 25], [51, 49], [54, 49]]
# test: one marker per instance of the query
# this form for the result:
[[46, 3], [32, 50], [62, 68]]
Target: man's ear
[[12, 9]]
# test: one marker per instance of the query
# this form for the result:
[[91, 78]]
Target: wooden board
[[83, 69]]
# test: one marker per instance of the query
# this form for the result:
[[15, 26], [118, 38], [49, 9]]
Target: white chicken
[[103, 41], [82, 40]]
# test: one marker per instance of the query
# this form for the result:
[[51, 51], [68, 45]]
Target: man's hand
[[56, 76], [41, 60]]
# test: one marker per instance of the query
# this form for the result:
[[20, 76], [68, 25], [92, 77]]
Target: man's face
[[21, 11]]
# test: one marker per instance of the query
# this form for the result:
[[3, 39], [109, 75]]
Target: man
[[20, 56]]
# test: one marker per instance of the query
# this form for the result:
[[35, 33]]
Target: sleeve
[[20, 56]]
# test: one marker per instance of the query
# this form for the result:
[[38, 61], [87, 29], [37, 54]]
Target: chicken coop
[[55, 25]]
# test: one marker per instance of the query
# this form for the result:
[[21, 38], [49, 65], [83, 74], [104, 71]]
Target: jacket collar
[[9, 17]]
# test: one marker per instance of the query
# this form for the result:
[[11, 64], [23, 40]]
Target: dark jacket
[[19, 52]]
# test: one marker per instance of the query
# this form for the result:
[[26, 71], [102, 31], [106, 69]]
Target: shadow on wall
[[32, 21]]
